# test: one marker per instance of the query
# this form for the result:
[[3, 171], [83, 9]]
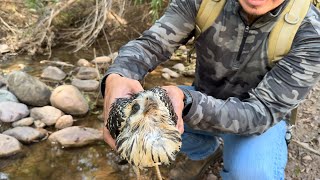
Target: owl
[[144, 127]]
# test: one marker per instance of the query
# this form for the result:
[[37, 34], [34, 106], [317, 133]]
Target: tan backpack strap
[[208, 12], [282, 35]]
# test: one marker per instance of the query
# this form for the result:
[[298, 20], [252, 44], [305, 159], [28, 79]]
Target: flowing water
[[43, 161]]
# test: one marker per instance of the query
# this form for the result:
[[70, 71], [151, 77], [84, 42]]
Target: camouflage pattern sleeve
[[140, 56], [281, 90]]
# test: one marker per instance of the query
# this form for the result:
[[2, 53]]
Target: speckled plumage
[[144, 127]]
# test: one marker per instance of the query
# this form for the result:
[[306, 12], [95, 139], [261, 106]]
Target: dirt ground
[[302, 163]]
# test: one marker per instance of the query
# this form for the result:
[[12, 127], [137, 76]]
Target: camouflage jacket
[[236, 89]]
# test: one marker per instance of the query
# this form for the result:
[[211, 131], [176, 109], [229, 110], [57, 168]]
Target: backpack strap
[[281, 37], [285, 29], [208, 12]]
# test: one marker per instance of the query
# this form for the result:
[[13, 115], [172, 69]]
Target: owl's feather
[[144, 127]]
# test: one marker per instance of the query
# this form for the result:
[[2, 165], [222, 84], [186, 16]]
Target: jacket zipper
[[245, 35]]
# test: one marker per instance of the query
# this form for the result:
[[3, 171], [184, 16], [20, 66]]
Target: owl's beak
[[151, 103]]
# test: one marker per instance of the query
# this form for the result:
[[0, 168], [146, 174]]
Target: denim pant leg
[[198, 145], [262, 157]]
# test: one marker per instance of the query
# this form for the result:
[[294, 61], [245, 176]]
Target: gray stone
[[76, 136], [53, 73], [8, 146], [87, 73], [12, 111], [170, 72], [28, 89], [7, 96], [25, 134], [179, 67], [85, 85]]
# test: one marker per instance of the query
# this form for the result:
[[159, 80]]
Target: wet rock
[[70, 100], [8, 146], [86, 73], [189, 73], [102, 61], [25, 134], [4, 48], [39, 124], [23, 122], [7, 96], [85, 85], [47, 114], [64, 122], [166, 76], [84, 63], [28, 89], [76, 136], [12, 111], [179, 67], [53, 73], [170, 72]]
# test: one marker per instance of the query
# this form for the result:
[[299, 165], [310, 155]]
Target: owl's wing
[[116, 116], [162, 93]]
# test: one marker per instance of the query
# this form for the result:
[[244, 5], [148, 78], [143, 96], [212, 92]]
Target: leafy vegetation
[[156, 7]]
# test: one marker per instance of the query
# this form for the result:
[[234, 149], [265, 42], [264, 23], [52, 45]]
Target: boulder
[[53, 73], [12, 111], [25, 134], [76, 136], [28, 89], [70, 100], [8, 146], [47, 114], [7, 96]]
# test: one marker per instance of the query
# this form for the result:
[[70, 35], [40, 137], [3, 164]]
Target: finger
[[108, 139]]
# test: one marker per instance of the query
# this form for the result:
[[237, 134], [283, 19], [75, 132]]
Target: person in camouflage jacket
[[237, 94]]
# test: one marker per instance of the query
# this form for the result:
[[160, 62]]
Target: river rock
[[4, 48], [87, 73], [53, 73], [47, 114], [28, 89], [85, 85], [8, 146], [64, 122], [102, 61], [84, 63], [7, 96], [39, 124], [166, 76], [70, 100], [12, 111], [23, 122], [170, 72], [179, 67], [25, 134], [76, 136]]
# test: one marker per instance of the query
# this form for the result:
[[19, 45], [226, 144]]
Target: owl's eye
[[135, 108]]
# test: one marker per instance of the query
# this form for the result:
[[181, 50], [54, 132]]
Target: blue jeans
[[262, 157]]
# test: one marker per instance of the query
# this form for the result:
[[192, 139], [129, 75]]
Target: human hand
[[117, 87], [176, 95]]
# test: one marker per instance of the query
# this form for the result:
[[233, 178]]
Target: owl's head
[[144, 109]]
